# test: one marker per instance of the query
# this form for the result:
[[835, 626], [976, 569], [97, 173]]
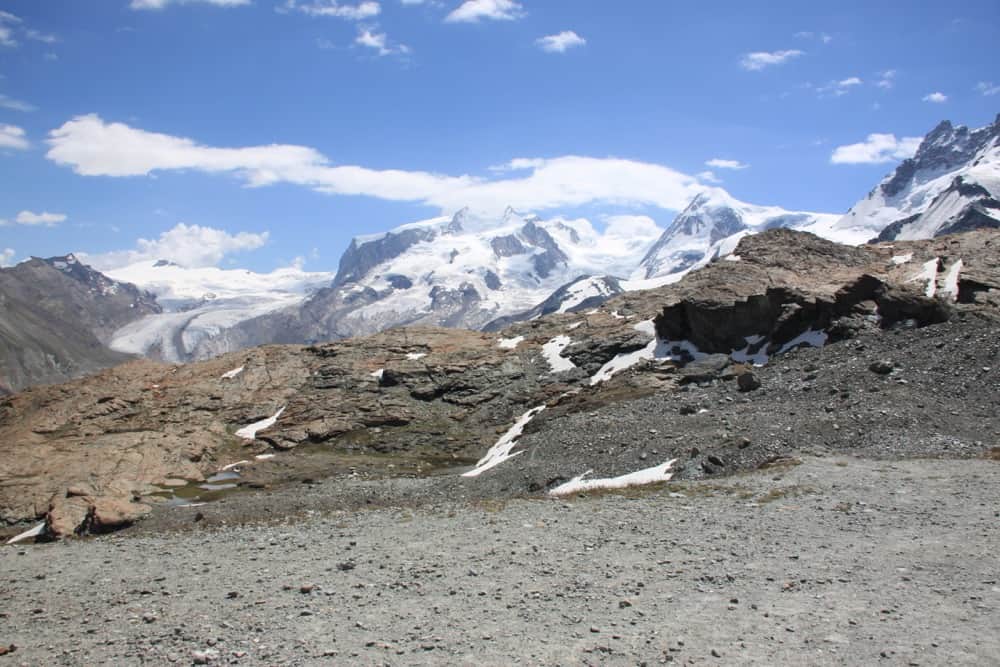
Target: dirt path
[[835, 561]]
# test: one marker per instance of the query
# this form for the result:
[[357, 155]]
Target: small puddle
[[305, 463]]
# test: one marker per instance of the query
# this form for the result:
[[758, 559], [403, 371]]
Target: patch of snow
[[929, 274], [265, 457], [745, 356], [950, 288], [732, 258], [249, 432], [235, 465], [28, 534], [413, 356], [573, 326], [652, 475], [501, 451], [807, 337], [229, 375], [552, 351], [509, 343], [902, 259], [615, 314], [655, 349], [378, 374]]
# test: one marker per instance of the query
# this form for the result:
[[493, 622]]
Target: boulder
[[112, 513]]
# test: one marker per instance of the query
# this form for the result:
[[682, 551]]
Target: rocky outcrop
[[90, 454]]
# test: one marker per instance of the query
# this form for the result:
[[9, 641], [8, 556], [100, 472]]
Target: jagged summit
[[952, 183]]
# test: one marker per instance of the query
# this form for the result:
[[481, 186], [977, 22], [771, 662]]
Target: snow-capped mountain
[[712, 225], [461, 271], [202, 304], [951, 184], [476, 272]]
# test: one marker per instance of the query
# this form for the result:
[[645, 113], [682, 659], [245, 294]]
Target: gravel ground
[[834, 561]]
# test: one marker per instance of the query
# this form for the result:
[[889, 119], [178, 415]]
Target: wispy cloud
[[840, 87], [935, 98], [560, 42], [12, 136], [886, 79], [7, 256], [14, 105], [809, 34], [162, 4], [92, 147], [473, 11], [758, 60], [379, 42], [708, 177], [333, 8], [987, 88], [31, 219], [7, 21], [720, 163], [876, 149], [37, 36]]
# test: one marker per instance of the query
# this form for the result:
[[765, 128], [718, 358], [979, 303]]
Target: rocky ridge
[[98, 452]]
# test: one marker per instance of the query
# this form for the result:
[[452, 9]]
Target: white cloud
[[936, 98], [37, 36], [7, 257], [12, 136], [92, 147], [379, 42], [839, 88], [193, 246], [560, 42], [334, 8], [6, 31], [987, 88], [720, 163], [887, 79], [809, 34], [876, 149], [707, 177], [758, 60], [43, 219], [162, 4], [471, 11], [14, 105]]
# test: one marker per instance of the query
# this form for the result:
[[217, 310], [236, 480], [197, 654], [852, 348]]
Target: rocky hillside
[[58, 316], [99, 452]]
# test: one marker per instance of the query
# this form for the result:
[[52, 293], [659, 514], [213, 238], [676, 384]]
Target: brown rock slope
[[89, 452]]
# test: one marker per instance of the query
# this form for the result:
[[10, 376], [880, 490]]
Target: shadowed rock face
[[56, 316], [85, 450]]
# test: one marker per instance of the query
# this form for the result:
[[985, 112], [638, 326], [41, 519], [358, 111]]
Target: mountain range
[[462, 270]]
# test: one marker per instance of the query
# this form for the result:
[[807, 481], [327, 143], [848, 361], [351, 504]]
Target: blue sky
[[311, 121]]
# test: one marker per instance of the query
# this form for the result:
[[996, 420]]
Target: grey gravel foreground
[[835, 561]]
